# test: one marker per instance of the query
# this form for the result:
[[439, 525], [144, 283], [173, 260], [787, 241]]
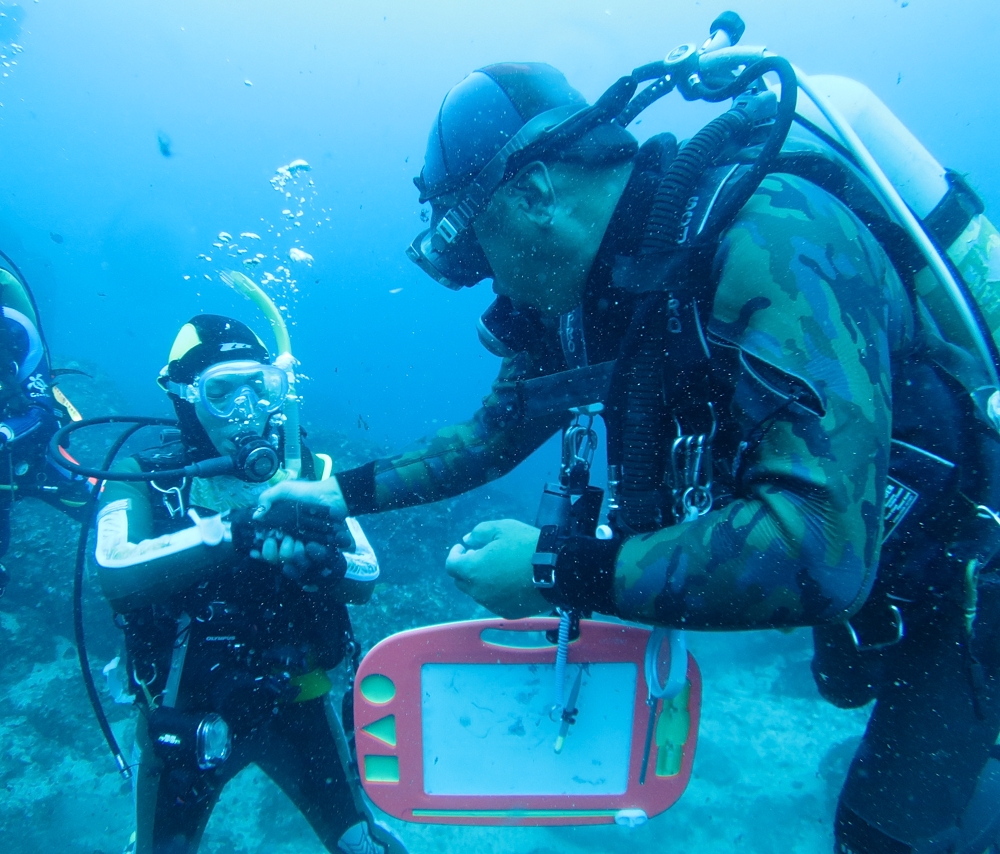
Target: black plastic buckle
[[544, 565], [545, 558]]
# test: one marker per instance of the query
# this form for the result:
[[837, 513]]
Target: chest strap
[[561, 391]]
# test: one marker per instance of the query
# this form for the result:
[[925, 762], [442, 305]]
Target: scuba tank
[[948, 211], [841, 138]]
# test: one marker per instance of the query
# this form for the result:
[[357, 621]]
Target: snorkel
[[248, 288]]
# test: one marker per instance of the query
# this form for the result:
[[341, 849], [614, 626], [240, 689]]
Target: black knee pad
[[853, 835], [844, 676], [979, 824]]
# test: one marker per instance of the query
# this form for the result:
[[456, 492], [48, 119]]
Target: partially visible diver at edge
[[31, 410], [227, 654]]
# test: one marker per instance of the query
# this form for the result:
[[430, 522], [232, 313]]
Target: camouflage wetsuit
[[803, 290], [809, 329]]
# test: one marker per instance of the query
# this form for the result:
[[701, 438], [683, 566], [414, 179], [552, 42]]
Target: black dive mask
[[448, 251], [456, 265]]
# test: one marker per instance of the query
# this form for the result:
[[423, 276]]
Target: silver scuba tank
[[922, 183]]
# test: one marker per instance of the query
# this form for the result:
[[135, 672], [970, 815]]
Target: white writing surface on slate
[[487, 730]]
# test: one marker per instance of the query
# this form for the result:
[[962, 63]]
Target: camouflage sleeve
[[804, 295], [456, 458]]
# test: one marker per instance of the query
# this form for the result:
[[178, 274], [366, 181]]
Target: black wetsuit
[[932, 727], [936, 717], [236, 638], [293, 747]]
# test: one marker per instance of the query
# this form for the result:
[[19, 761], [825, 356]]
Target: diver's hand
[[305, 540], [315, 493], [492, 564], [306, 562], [310, 523]]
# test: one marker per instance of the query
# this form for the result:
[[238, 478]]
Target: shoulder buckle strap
[[957, 208], [566, 390]]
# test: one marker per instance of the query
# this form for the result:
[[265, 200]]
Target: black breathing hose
[[732, 127], [604, 109], [683, 175], [747, 184], [639, 410], [644, 99], [205, 468], [81, 563], [638, 403]]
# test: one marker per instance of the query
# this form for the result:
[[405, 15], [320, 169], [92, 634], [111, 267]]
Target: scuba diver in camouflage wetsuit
[[762, 387]]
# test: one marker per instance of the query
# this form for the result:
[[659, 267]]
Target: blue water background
[[353, 88], [106, 228]]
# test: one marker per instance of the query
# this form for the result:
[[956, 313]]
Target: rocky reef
[[771, 754]]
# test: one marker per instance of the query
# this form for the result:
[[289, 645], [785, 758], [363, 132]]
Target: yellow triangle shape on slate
[[384, 729]]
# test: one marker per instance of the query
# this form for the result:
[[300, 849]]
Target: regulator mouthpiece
[[726, 31], [255, 460]]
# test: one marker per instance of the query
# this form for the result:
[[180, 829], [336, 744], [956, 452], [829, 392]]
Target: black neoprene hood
[[481, 114], [208, 339]]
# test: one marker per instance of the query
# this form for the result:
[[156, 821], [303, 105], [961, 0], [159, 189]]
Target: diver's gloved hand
[[308, 563], [246, 536], [307, 523], [321, 494], [305, 540]]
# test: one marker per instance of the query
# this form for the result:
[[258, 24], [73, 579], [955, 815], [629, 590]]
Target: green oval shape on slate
[[377, 688]]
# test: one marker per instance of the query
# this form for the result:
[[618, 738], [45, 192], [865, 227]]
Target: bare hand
[[492, 564], [319, 493]]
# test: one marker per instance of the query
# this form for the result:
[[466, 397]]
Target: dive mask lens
[[249, 387], [456, 265]]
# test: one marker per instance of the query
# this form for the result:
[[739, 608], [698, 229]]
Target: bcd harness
[[159, 637]]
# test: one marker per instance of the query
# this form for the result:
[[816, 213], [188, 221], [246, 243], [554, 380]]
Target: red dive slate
[[455, 725]]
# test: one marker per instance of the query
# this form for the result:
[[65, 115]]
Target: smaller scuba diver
[[29, 413], [228, 654]]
